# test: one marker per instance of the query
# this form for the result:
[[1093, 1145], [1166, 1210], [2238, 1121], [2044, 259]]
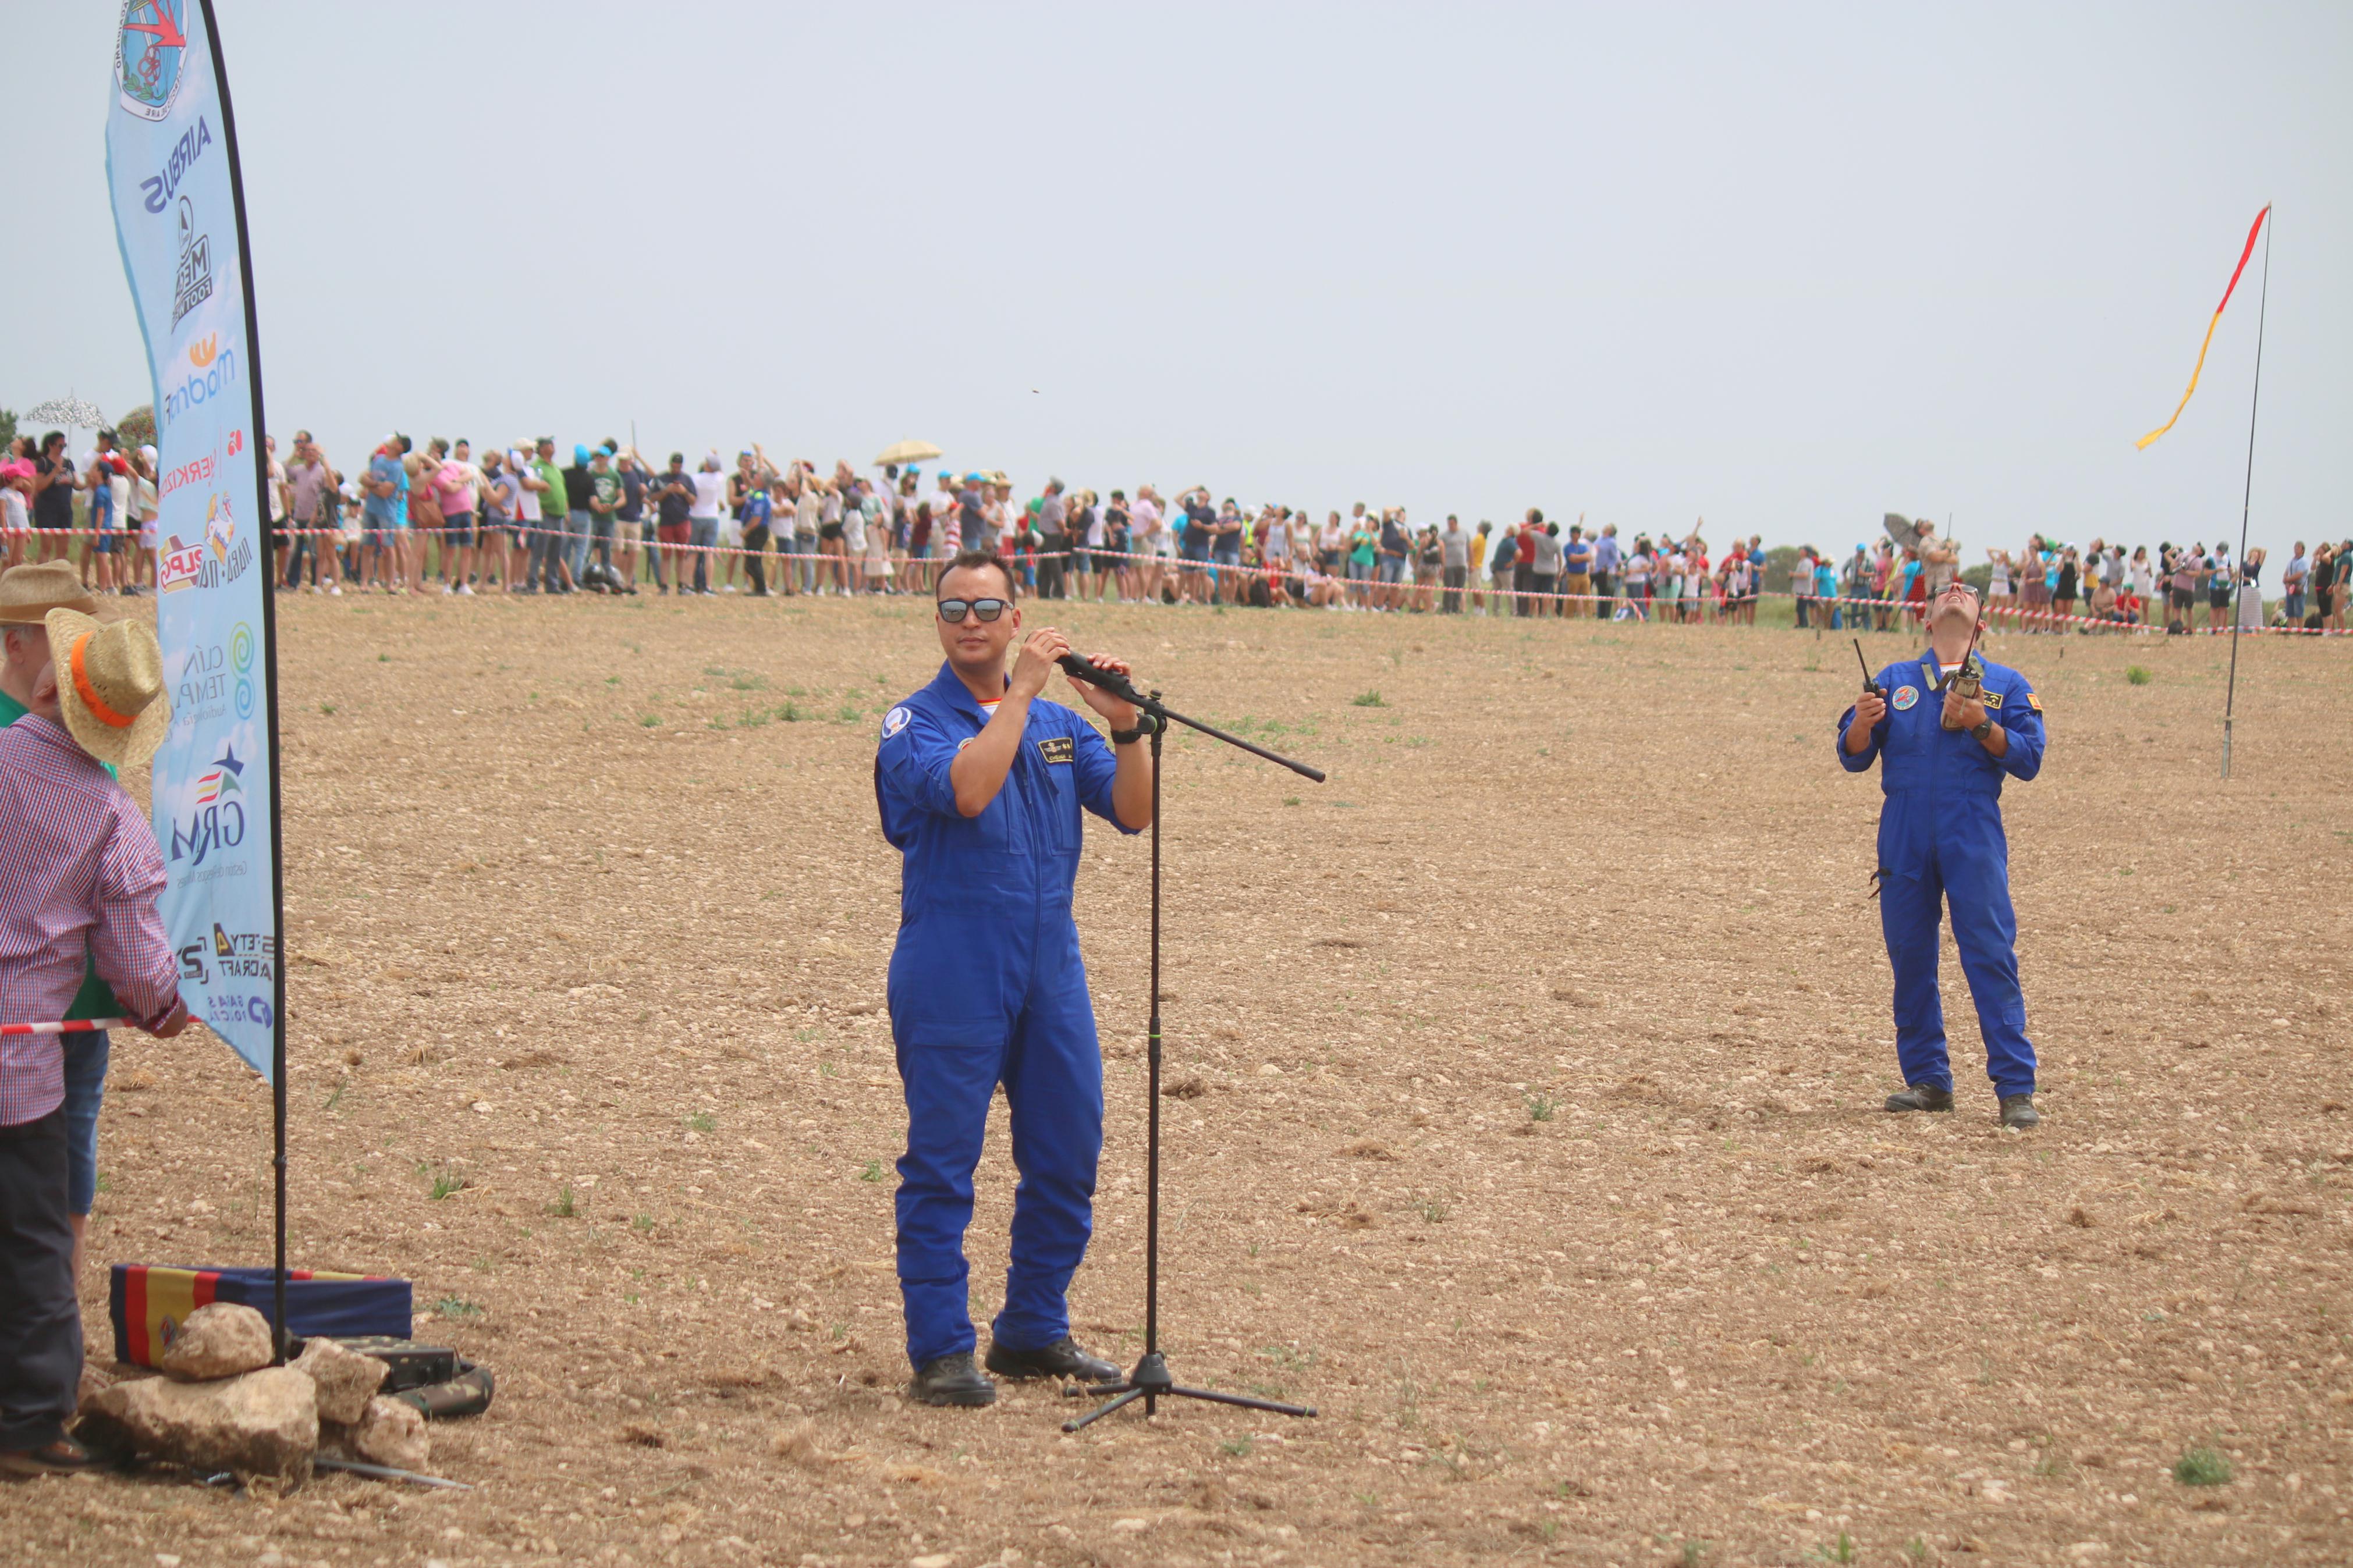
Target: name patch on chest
[[1058, 748], [1906, 696]]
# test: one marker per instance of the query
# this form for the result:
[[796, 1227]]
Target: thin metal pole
[[2246, 499], [1151, 1052]]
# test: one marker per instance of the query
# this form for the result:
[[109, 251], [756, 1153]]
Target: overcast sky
[[1787, 267]]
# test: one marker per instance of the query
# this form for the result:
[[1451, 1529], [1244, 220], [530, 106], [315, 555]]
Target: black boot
[[951, 1380], [1922, 1097], [1063, 1358], [2018, 1111]]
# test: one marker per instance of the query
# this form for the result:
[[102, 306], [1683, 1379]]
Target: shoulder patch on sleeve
[[895, 720], [2035, 702]]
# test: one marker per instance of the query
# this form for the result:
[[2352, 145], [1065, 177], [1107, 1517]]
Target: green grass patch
[[2203, 1466]]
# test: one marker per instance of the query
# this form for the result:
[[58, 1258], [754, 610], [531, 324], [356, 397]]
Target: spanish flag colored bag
[[149, 1303]]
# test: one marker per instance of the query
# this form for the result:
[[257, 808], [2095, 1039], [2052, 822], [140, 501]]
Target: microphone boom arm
[[1119, 686]]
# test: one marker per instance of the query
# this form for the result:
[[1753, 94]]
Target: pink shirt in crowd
[[454, 483]]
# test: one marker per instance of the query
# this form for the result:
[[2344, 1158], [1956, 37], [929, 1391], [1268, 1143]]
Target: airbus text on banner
[[2215, 321], [168, 166]]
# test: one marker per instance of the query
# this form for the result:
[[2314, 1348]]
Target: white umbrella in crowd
[[76, 413]]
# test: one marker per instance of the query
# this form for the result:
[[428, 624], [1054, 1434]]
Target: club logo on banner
[[175, 217], [147, 54]]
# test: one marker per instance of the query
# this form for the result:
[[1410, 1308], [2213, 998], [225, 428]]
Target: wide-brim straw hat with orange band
[[110, 686], [28, 593]]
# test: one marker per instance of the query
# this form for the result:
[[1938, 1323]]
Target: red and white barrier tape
[[64, 1027], [1710, 604]]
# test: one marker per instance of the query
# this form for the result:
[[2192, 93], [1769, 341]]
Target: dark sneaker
[[1922, 1097], [1061, 1359], [2018, 1111], [951, 1380], [63, 1457]]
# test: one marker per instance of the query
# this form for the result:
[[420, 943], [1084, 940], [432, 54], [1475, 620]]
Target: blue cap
[[580, 454]]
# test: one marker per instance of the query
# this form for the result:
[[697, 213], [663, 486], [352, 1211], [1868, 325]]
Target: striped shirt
[[78, 875]]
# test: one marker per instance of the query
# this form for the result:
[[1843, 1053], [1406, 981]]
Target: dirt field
[[1531, 1071]]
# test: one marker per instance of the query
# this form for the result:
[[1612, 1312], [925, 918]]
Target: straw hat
[[28, 593], [110, 686]]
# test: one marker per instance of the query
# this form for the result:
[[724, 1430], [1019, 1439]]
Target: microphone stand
[[1151, 1381]]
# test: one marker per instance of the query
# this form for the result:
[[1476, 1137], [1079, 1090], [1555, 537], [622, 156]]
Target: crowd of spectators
[[518, 519]]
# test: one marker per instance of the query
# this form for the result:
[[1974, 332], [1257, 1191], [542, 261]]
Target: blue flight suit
[[985, 987], [1940, 839]]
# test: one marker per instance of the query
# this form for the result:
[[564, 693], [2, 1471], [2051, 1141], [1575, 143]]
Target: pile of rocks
[[220, 1406]]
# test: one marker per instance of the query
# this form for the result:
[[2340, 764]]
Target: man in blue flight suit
[[1943, 753], [980, 782]]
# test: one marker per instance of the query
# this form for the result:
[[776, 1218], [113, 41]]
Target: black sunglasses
[[953, 610]]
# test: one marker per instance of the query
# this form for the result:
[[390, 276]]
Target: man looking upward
[[981, 782], [1943, 754]]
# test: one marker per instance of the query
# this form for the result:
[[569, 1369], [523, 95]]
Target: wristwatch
[[1145, 725], [1983, 728]]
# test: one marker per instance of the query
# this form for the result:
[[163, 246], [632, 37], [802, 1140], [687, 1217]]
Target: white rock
[[264, 1423], [217, 1341], [391, 1432], [345, 1379]]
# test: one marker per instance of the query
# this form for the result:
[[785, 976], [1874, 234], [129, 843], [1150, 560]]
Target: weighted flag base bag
[[149, 1303]]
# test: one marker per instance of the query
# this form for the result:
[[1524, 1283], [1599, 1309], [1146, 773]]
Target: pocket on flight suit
[[1902, 844], [949, 970], [947, 984]]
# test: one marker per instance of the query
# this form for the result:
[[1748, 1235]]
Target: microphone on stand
[[1111, 680]]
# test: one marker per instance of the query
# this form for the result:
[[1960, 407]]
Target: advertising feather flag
[[2245, 251]]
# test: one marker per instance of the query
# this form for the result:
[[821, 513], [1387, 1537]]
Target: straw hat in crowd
[[28, 593], [110, 686]]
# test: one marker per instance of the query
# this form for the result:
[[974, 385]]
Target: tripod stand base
[[1151, 1383]]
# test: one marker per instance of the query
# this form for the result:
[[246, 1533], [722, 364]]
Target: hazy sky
[[1787, 268]]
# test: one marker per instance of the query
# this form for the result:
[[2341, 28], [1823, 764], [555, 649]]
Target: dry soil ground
[[1529, 1126]]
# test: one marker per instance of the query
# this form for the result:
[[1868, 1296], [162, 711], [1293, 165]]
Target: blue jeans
[[575, 541], [804, 562], [702, 532], [1392, 568], [544, 539], [600, 533], [297, 547], [86, 1056], [2292, 608]]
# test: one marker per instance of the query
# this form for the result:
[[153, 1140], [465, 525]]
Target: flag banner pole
[[2246, 503], [179, 219]]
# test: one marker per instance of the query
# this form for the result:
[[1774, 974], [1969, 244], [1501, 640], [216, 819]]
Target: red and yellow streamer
[[2247, 251]]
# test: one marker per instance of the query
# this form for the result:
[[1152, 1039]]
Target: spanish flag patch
[[2035, 702]]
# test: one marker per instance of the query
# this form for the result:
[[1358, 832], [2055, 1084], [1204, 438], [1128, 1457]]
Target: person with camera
[[1946, 730], [980, 782]]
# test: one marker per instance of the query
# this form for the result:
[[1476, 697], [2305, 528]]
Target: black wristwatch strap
[[1146, 724], [1983, 728]]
